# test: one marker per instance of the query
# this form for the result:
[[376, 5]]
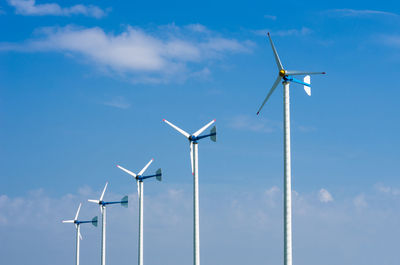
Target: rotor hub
[[282, 72]]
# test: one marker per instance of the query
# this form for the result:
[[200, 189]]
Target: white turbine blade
[[278, 61], [95, 201], [102, 195], [304, 73], [307, 80], [138, 189], [68, 221], [77, 212], [177, 128], [278, 79], [127, 171], [145, 167], [80, 236], [191, 156], [204, 128]]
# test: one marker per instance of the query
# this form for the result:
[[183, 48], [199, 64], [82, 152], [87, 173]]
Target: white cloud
[[30, 8], [387, 189], [237, 223], [161, 56], [346, 12], [254, 124], [360, 202], [324, 196], [118, 102]]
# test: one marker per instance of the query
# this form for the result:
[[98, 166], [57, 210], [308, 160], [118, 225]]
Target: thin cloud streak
[[303, 31], [254, 124], [30, 8], [118, 102], [346, 12]]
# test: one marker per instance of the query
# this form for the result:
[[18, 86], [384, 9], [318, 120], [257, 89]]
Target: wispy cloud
[[346, 12], [390, 40], [254, 124], [118, 102], [387, 189], [324, 196], [173, 53], [283, 33], [30, 8], [270, 17], [360, 202], [306, 129]]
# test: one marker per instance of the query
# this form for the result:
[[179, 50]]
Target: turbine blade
[[307, 80], [304, 73], [138, 188], [77, 212], [95, 201], [145, 167], [177, 128], [204, 128], [191, 156], [278, 61], [278, 79], [80, 236], [102, 194], [68, 221], [127, 171]]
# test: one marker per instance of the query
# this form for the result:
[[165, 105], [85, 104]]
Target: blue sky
[[85, 85]]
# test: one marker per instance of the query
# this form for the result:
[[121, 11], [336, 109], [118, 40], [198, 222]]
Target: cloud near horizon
[[169, 53], [234, 222]]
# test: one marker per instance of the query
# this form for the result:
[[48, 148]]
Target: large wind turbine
[[139, 181], [103, 204], [78, 230], [193, 139], [287, 77]]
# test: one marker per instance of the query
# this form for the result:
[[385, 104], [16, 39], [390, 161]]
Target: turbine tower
[[287, 77], [193, 139], [139, 182], [103, 204], [78, 230]]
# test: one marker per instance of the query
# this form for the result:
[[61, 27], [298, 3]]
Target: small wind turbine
[[139, 181], [193, 139], [287, 77], [78, 230], [103, 204]]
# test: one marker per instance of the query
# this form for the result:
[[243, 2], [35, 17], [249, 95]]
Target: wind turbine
[[139, 181], [103, 204], [78, 230], [287, 77], [193, 140]]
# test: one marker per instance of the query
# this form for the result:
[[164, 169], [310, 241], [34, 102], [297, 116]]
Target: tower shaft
[[78, 228], [103, 236], [140, 250], [196, 230], [287, 200]]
